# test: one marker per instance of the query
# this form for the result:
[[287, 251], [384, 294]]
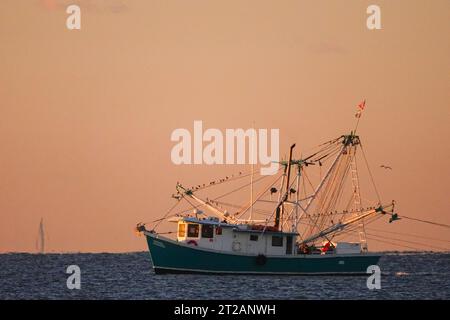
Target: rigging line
[[323, 154], [221, 196], [427, 221], [145, 222], [187, 210], [273, 212], [262, 212], [304, 185], [332, 215], [238, 206], [388, 242], [239, 188], [358, 189], [325, 201], [395, 244], [349, 203], [165, 215], [328, 145], [320, 172], [234, 205], [311, 225], [408, 234], [326, 151], [290, 212], [193, 206], [258, 197], [377, 238], [337, 194], [407, 241], [325, 159], [326, 214], [331, 141], [334, 184], [351, 228], [244, 175], [347, 234], [307, 178], [322, 196], [296, 204], [330, 153], [202, 205], [256, 210], [370, 172], [355, 228], [352, 197], [330, 156]]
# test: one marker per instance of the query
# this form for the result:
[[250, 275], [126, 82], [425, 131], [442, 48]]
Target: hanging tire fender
[[261, 259]]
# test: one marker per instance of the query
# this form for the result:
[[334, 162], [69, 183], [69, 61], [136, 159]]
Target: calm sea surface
[[130, 276]]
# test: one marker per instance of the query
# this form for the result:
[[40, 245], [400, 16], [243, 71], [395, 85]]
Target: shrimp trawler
[[293, 225]]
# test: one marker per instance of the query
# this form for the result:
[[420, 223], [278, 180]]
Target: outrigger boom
[[344, 224]]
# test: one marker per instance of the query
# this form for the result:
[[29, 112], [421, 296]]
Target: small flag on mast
[[361, 107]]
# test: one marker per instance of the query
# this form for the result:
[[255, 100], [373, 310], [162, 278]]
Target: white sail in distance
[[41, 237]]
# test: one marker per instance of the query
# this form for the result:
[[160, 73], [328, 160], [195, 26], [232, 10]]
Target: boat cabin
[[210, 233]]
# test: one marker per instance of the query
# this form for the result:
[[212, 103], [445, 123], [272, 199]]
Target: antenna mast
[[252, 166]]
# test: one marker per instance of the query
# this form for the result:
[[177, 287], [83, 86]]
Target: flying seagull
[[385, 167]]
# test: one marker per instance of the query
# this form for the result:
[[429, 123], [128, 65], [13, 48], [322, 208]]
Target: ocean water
[[130, 276]]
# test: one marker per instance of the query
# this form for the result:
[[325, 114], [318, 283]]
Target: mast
[[252, 170], [297, 197], [280, 206]]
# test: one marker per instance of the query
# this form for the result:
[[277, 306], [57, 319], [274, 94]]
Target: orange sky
[[86, 116]]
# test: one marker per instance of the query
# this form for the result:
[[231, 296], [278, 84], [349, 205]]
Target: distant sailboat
[[40, 245]]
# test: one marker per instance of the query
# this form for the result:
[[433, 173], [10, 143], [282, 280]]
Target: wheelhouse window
[[253, 237], [277, 241], [207, 231], [218, 231], [193, 230], [181, 230]]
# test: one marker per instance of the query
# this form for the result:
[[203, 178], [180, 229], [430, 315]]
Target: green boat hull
[[169, 256]]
